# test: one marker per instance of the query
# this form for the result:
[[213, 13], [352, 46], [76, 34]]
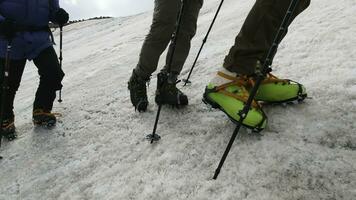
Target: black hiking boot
[[8, 129], [138, 92], [42, 117], [167, 92]]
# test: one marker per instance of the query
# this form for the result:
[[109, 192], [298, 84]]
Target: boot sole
[[49, 124], [296, 100], [186, 103], [10, 136], [9, 133]]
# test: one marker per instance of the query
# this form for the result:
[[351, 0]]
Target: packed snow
[[98, 149]]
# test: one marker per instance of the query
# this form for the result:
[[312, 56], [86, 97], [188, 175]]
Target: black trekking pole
[[260, 77], [60, 57], [186, 81], [5, 86], [154, 136]]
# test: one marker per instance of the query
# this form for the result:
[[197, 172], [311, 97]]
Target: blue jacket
[[29, 13]]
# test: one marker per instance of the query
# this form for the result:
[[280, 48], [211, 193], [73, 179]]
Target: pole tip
[[187, 82], [217, 172], [153, 138]]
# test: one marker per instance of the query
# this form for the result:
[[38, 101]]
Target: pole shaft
[[204, 41], [156, 122], [60, 56], [226, 153], [173, 48], [175, 38], [268, 61], [5, 86]]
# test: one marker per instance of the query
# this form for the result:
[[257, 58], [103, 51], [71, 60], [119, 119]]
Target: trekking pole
[[260, 77], [60, 57], [154, 136], [5, 86], [186, 81]]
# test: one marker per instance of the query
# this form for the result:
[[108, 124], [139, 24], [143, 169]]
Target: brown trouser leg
[[257, 34], [162, 28]]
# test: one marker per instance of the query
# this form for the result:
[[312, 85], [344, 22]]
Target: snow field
[[98, 151]]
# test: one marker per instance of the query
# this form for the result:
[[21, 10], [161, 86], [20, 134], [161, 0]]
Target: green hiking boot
[[8, 129], [274, 90], [138, 92], [167, 92], [42, 117], [231, 98]]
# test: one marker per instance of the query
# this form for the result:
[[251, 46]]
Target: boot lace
[[42, 112], [241, 82], [270, 78], [6, 124]]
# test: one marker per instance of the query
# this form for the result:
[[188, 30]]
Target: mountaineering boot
[[138, 92], [229, 94], [167, 92], [8, 129], [42, 117], [274, 90]]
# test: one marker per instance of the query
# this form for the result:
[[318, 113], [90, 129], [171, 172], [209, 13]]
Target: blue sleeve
[[53, 8], [2, 18]]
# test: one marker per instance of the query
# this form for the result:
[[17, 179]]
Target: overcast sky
[[80, 9]]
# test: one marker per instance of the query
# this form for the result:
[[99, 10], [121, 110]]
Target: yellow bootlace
[[42, 112], [9, 125], [242, 82], [274, 79]]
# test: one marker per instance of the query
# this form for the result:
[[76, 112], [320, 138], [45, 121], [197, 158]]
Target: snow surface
[[98, 150]]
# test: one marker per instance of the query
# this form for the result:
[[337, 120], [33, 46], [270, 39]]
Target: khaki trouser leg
[[187, 32], [162, 28], [257, 34]]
